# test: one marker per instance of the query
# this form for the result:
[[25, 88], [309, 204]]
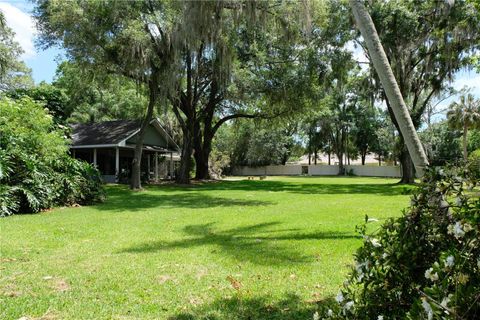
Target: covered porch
[[110, 146], [115, 163]]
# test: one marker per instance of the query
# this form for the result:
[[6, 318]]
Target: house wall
[[318, 170], [152, 137]]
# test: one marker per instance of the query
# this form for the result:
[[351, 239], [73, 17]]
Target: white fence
[[318, 170], [322, 170], [288, 170], [373, 171]]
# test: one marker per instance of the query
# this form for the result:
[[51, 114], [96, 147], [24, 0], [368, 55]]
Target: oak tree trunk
[[135, 181], [341, 167], [408, 169], [202, 154], [183, 176]]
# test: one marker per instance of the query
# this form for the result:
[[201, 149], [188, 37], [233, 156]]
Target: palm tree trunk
[[465, 133], [384, 71]]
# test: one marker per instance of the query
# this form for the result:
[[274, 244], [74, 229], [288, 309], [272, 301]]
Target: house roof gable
[[111, 133]]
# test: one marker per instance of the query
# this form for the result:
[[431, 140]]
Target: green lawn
[[271, 249]]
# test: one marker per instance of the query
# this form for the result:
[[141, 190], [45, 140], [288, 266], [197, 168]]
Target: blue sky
[[44, 63]]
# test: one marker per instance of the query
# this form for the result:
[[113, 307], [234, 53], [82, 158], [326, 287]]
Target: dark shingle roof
[[108, 132]]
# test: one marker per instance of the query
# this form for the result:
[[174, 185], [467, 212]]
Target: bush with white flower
[[425, 264]]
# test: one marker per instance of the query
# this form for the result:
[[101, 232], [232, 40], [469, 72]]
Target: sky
[[44, 62]]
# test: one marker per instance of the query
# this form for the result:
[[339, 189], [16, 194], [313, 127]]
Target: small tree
[[464, 115], [14, 74]]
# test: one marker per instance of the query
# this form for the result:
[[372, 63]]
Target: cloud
[[23, 26]]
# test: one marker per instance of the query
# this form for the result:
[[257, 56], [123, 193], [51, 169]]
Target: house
[[110, 147]]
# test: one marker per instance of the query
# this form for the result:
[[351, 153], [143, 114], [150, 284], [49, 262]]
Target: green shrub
[[424, 265], [474, 163], [36, 172], [78, 182]]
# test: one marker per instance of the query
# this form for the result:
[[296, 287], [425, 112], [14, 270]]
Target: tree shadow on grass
[[291, 307], [253, 243], [345, 186], [122, 199]]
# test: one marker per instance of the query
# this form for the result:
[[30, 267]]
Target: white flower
[[457, 230], [430, 275], [376, 243], [330, 312], [316, 316], [339, 297], [445, 301], [359, 267], [380, 317], [450, 261], [348, 305], [384, 255], [428, 309]]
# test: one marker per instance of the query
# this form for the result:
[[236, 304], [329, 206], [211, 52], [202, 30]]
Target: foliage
[[99, 96], [36, 172], [365, 130], [441, 143], [385, 146], [425, 264], [258, 143], [465, 113], [473, 140], [218, 164], [50, 96], [474, 163], [14, 73]]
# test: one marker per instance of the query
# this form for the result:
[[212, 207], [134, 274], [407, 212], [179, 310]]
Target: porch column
[[156, 166], [73, 153], [148, 166], [171, 165], [117, 164], [95, 157]]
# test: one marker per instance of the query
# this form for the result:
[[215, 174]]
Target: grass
[[271, 249]]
